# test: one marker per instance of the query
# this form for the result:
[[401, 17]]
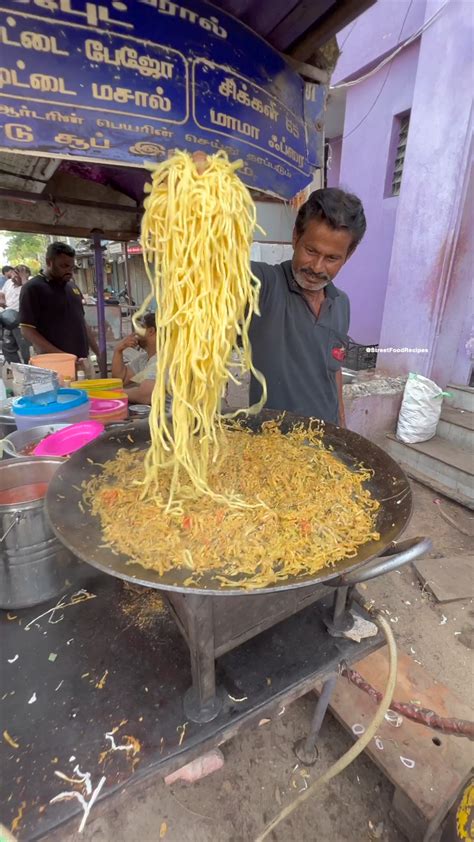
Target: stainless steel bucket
[[22, 438], [34, 565], [7, 424]]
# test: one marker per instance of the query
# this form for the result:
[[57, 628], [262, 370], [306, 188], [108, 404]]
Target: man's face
[[318, 254], [61, 268], [10, 274], [145, 341]]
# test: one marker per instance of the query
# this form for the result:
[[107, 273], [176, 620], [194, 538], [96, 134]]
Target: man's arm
[[141, 393], [40, 344], [93, 344], [341, 414], [119, 367]]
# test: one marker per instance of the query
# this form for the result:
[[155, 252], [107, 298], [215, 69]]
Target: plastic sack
[[420, 410]]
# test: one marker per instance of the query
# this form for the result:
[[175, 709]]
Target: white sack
[[420, 410]]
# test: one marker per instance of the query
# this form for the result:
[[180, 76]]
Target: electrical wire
[[354, 129], [361, 743], [349, 33], [390, 57]]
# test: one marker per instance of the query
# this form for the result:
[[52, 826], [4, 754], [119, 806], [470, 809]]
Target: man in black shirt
[[51, 312]]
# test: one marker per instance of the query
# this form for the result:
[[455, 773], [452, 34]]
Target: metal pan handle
[[398, 554]]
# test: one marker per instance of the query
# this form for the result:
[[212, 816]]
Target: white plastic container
[[70, 406]]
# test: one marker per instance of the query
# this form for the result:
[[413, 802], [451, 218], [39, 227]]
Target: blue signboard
[[124, 83]]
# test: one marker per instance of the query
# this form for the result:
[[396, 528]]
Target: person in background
[[51, 312], [138, 375], [10, 316], [10, 294], [6, 271], [24, 272]]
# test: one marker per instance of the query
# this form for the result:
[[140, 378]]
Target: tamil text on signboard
[[125, 82]]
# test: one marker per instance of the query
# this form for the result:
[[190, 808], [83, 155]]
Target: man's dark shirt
[[56, 311], [293, 348]]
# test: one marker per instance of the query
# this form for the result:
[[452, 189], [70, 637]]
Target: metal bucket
[[34, 565], [7, 424], [22, 438]]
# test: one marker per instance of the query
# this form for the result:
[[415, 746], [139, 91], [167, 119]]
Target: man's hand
[[93, 344], [127, 342], [119, 368], [200, 159]]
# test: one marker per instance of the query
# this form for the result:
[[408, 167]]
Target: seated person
[[10, 304], [139, 375]]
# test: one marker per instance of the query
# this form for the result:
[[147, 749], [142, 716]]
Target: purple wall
[[451, 362], [429, 267], [367, 157], [334, 164], [375, 34]]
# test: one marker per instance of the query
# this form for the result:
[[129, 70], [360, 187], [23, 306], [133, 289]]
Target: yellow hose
[[361, 743]]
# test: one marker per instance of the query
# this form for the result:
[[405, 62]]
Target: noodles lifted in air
[[211, 497], [196, 236]]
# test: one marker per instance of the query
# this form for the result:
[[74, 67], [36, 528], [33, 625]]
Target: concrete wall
[[277, 220], [427, 243], [367, 160], [451, 360], [372, 416]]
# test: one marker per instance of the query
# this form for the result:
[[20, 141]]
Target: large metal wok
[[212, 619], [81, 532]]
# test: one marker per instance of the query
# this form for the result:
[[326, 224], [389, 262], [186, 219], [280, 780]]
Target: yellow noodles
[[211, 497], [315, 511], [196, 236]]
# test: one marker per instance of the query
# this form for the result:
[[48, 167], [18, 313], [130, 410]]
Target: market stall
[[93, 85]]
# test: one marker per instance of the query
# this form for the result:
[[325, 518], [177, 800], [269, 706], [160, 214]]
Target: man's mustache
[[319, 277]]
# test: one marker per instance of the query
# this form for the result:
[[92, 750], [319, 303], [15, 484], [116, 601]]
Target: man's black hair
[[6, 269], [22, 267], [55, 249], [338, 209], [149, 320]]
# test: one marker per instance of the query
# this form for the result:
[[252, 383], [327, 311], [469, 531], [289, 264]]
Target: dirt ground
[[234, 804]]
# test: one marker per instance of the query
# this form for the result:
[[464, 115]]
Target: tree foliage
[[26, 248]]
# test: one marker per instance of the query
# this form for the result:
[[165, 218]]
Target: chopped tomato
[[110, 495], [305, 527], [187, 522]]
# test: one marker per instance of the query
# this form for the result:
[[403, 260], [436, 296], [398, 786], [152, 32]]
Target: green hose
[[361, 743]]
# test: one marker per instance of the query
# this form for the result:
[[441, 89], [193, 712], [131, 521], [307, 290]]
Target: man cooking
[[51, 312], [138, 375], [298, 340]]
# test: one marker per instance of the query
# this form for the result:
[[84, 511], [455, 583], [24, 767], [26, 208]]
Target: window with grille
[[404, 123]]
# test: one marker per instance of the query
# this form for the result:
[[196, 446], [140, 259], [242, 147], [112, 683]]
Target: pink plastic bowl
[[67, 441], [101, 406]]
